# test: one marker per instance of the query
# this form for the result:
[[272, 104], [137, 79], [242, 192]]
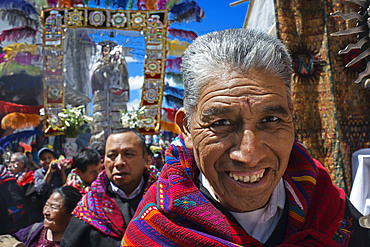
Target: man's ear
[[182, 122]]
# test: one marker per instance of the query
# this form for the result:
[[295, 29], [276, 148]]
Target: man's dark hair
[[98, 146], [71, 196], [142, 139], [84, 158]]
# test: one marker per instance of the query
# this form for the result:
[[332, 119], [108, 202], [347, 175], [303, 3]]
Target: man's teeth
[[248, 179]]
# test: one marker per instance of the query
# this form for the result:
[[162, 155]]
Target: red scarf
[[175, 212], [98, 209]]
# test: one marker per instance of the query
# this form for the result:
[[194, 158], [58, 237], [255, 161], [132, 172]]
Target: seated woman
[[57, 214], [86, 167]]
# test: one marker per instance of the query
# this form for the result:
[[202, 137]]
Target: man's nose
[[119, 160], [250, 150]]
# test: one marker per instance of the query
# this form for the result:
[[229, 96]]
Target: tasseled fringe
[[22, 5], [162, 4], [151, 4], [182, 34], [17, 120], [174, 63], [176, 48], [171, 127], [8, 107], [15, 17], [17, 137], [17, 33], [141, 5], [187, 11]]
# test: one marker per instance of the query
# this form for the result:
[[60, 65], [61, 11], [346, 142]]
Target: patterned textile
[[75, 181], [101, 211], [25, 177], [44, 242], [330, 110], [5, 175], [175, 213]]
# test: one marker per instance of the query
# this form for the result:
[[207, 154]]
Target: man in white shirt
[[103, 214], [236, 176]]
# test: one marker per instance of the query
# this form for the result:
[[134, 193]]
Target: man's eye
[[270, 119], [222, 122], [112, 156]]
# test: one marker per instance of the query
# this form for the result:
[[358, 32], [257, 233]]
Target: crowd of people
[[46, 204], [235, 176]]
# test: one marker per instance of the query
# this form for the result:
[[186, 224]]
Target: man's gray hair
[[21, 158], [240, 50]]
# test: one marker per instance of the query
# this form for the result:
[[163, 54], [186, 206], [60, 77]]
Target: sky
[[218, 15]]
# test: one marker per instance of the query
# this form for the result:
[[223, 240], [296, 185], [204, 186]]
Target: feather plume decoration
[[22, 5], [173, 101], [108, 3], [182, 34], [2, 57], [120, 3], [187, 11], [130, 4], [171, 113], [162, 4], [41, 4], [15, 17], [65, 3], [176, 48], [151, 4], [174, 63], [15, 48], [171, 3], [18, 120], [176, 92], [176, 77], [171, 127], [19, 136], [9, 107], [141, 5], [11, 68], [17, 33]]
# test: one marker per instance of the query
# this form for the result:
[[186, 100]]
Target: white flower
[[42, 112]]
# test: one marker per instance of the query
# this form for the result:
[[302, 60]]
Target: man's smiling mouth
[[247, 177]]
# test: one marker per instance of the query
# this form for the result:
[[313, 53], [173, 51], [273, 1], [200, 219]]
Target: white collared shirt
[[123, 195], [259, 223]]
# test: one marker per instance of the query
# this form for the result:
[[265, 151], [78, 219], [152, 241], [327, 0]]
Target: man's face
[[15, 166], [124, 162], [90, 174], [242, 134], [45, 159]]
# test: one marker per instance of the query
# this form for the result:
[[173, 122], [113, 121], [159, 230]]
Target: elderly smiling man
[[236, 176]]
